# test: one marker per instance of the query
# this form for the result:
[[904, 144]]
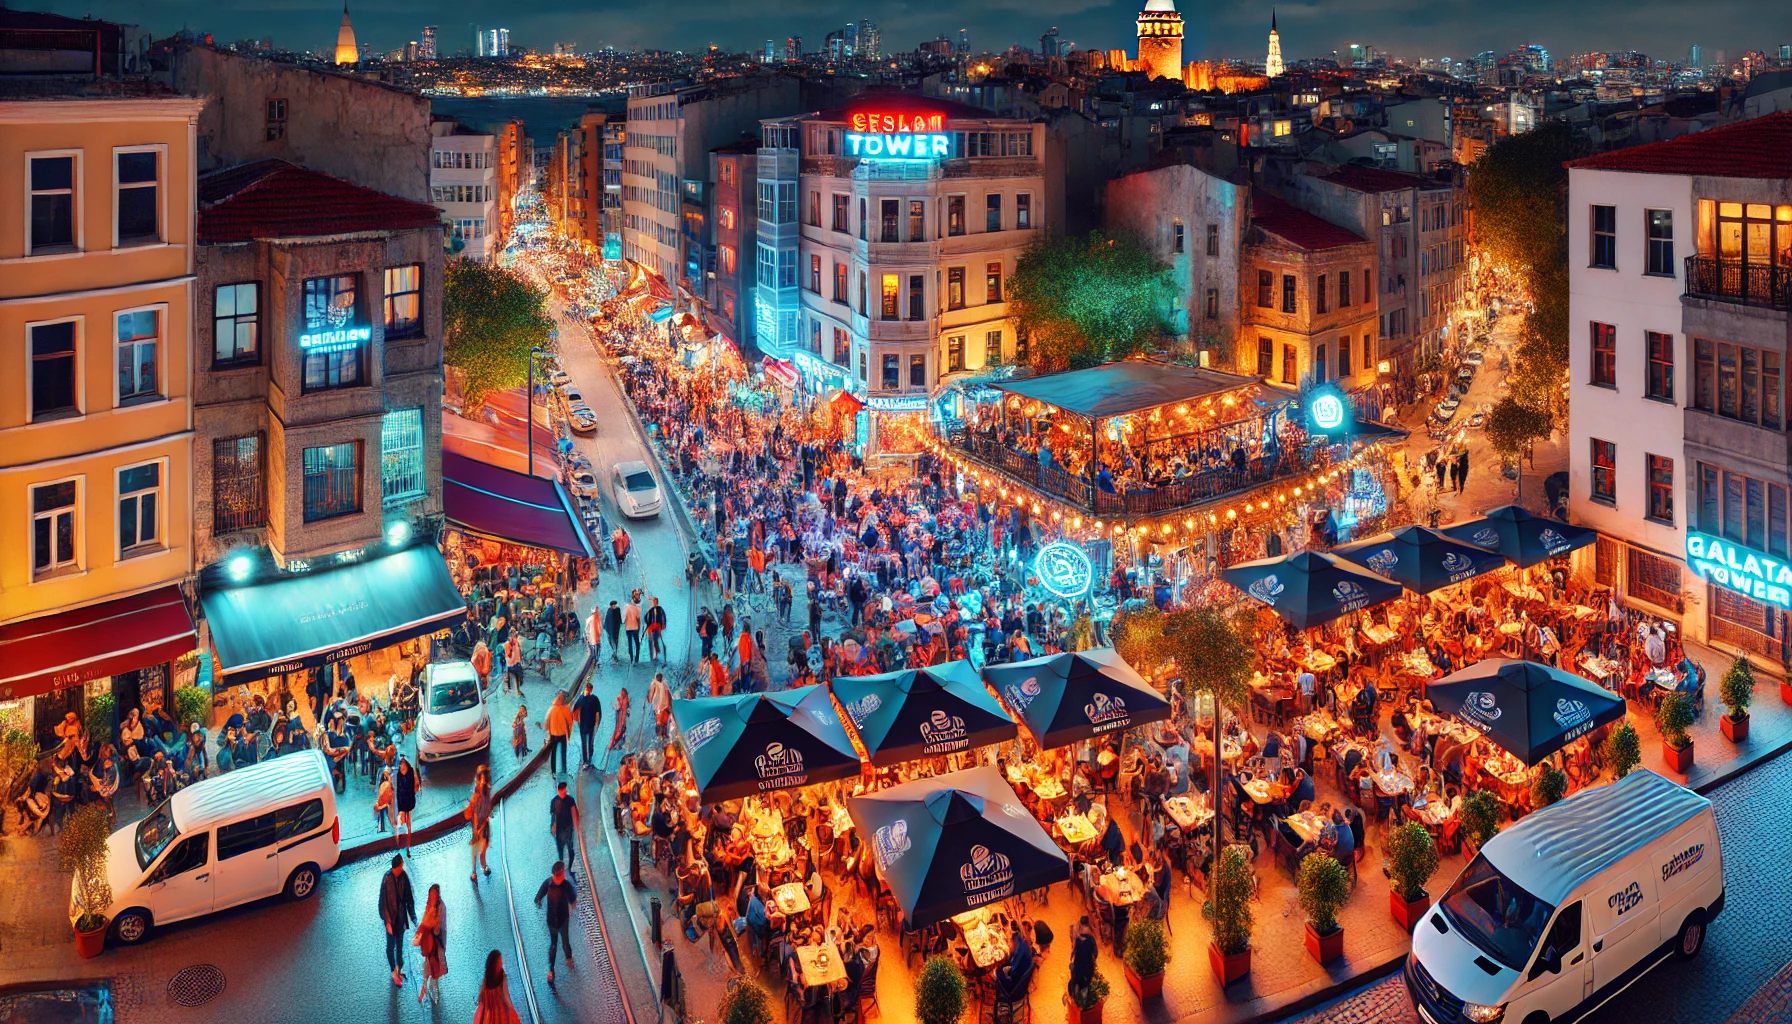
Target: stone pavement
[[1772, 1002], [1384, 1002]]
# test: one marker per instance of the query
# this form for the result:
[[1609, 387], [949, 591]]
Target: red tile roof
[[1760, 147], [1297, 227], [1376, 180], [276, 199]]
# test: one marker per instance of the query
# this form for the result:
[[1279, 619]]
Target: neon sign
[[891, 136], [343, 339], [1326, 412], [1064, 570], [865, 122], [1746, 571]]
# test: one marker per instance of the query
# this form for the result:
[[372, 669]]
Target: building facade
[[463, 184], [734, 169], [1309, 305], [1192, 221], [1160, 40]]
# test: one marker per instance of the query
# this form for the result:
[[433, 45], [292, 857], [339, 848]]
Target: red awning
[[847, 400], [784, 372], [107, 639]]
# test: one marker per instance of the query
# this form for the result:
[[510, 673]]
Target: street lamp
[[533, 352]]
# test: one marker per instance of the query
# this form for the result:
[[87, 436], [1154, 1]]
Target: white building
[[463, 181], [887, 232], [1680, 280]]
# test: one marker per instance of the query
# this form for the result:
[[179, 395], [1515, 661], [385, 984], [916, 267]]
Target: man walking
[[557, 723], [558, 893], [631, 623], [613, 626], [1462, 471], [656, 630], [398, 911], [563, 821], [594, 633], [513, 664], [589, 711]]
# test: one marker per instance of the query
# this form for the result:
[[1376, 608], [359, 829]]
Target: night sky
[[1454, 28]]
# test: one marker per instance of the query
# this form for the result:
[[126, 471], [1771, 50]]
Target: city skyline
[[1308, 30]]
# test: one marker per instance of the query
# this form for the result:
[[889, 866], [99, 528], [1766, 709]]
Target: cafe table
[[1523, 591], [791, 899], [1076, 829], [1346, 692], [1231, 749], [1510, 628], [1378, 635], [1418, 663], [821, 964], [987, 941], [1121, 887], [1187, 812], [1318, 725], [1433, 813], [1308, 825], [1257, 790], [1392, 783], [1599, 668], [1048, 788]]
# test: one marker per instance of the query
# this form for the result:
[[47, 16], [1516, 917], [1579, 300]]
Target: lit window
[[139, 507], [236, 324], [139, 332], [332, 480], [402, 474]]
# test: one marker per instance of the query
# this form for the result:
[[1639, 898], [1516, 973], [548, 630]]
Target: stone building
[[1308, 299], [1193, 221]]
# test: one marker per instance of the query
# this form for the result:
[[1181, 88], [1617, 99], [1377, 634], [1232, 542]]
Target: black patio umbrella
[[1066, 698], [915, 713], [1420, 559], [1520, 537], [955, 842], [1529, 709], [757, 742], [1310, 588]]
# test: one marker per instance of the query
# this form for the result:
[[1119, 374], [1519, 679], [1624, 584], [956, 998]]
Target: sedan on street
[[454, 719], [637, 492]]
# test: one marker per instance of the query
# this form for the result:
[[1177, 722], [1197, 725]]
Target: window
[[1319, 295], [332, 318], [1213, 239], [862, 360], [236, 324], [787, 202], [890, 212], [1343, 288], [992, 348], [955, 288], [402, 475], [237, 496], [861, 293], [892, 296], [917, 297], [955, 353], [1290, 365], [1176, 243], [1605, 472], [1287, 293], [276, 122], [246, 836], [1661, 489], [1368, 351], [1661, 242], [1605, 238], [52, 204], [190, 855], [815, 209], [815, 336], [1605, 355], [1213, 303], [1266, 290], [1266, 356], [726, 258], [815, 273], [726, 218], [1319, 363], [1660, 384], [139, 197], [917, 220], [768, 266], [861, 220], [53, 371], [1023, 211], [404, 301], [332, 480], [954, 215], [1738, 382], [892, 372], [298, 820], [992, 282], [1564, 936], [841, 215], [1344, 357], [842, 347], [139, 507], [787, 268], [839, 282], [138, 334], [1726, 510], [917, 369], [53, 528]]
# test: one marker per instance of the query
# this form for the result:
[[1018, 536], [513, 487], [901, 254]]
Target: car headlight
[[423, 731], [484, 725], [1483, 1014]]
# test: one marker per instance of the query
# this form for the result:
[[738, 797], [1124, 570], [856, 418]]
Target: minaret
[[346, 50], [1160, 40], [1272, 66]]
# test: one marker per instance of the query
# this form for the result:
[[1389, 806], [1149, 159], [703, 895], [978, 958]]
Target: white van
[[255, 832], [1570, 906]]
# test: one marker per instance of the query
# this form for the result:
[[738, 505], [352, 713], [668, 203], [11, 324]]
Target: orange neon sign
[[888, 123]]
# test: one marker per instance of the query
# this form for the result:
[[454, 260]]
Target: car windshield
[[453, 695], [154, 833], [638, 481], [1492, 912]]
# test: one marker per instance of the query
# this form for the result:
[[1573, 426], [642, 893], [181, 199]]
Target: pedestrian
[[398, 911], [631, 624], [589, 711], [431, 941], [513, 664], [594, 635], [613, 627], [558, 726], [563, 822], [404, 799], [1441, 470], [659, 698], [621, 729], [519, 731], [382, 804], [706, 631], [558, 892], [656, 629], [479, 816], [482, 664], [1082, 956], [494, 994], [1461, 470]]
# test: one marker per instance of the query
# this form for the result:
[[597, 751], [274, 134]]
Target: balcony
[[1750, 284]]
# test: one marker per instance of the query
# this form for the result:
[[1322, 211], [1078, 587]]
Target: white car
[[637, 492], [582, 482], [454, 720]]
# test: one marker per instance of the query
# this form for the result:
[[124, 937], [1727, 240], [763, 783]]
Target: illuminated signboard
[[1327, 413], [897, 403], [341, 339], [1744, 570], [1064, 569], [889, 136]]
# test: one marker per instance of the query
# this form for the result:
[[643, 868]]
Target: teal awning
[[319, 618]]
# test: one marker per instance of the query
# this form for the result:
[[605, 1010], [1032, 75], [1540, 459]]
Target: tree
[[491, 319], [1212, 652], [939, 996], [1511, 428], [1086, 301], [1622, 750], [1138, 636]]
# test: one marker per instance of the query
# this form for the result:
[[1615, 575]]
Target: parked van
[[1570, 906], [223, 841]]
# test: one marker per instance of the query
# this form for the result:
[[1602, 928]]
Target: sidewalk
[[1716, 760]]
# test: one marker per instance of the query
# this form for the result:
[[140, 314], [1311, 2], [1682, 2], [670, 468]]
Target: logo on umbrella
[[943, 733], [1020, 696], [987, 878], [1383, 561], [697, 735], [1570, 713], [861, 709], [1350, 594], [780, 767], [1482, 709], [1487, 537], [1456, 561], [1553, 542], [1106, 713], [889, 843], [1266, 589]]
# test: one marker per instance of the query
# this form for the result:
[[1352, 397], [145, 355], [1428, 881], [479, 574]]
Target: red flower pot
[[90, 944], [1147, 986], [1077, 1015], [1786, 691], [1325, 947], [1228, 969], [1734, 729], [1408, 913], [1679, 759]]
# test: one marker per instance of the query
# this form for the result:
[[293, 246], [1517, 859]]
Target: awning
[[65, 649], [847, 401], [661, 315], [512, 506], [784, 372], [321, 618], [1116, 389]]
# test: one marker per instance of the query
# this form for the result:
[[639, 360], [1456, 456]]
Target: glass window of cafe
[[333, 304]]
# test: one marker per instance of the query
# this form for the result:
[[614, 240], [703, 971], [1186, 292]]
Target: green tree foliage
[[940, 995], [1623, 750], [1090, 300], [1213, 652], [1550, 785], [1511, 425], [1738, 688], [1138, 635], [491, 318], [746, 1004]]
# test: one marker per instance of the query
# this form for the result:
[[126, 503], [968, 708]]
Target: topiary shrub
[[83, 846], [1550, 785], [746, 1004], [1229, 896], [1147, 949], [939, 995], [192, 704], [1412, 860], [1324, 888], [1622, 750], [1673, 716], [1738, 688], [1095, 993], [1480, 817]]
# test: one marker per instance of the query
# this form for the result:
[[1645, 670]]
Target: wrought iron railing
[[1752, 284]]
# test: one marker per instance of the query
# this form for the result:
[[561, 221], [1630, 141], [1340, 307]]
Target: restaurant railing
[[1753, 284]]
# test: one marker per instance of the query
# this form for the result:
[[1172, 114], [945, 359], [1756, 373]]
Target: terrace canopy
[[915, 713], [1310, 588], [1070, 697], [1118, 389], [1520, 537], [1529, 709], [753, 743], [516, 507]]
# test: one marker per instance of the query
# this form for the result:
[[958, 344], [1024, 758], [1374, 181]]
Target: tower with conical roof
[[1271, 66], [346, 50], [1160, 40]]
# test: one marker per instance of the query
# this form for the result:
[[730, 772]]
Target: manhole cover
[[195, 986]]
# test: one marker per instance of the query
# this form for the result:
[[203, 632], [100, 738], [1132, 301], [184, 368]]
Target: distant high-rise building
[[964, 41], [426, 44], [849, 40], [346, 50], [870, 41], [771, 52], [1785, 53], [1272, 64], [835, 46], [1695, 58], [1356, 55], [793, 48], [492, 42], [1048, 43], [1160, 40]]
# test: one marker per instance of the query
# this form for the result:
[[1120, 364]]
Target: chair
[[868, 990]]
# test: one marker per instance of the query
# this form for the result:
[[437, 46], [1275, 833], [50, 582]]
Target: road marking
[[516, 928]]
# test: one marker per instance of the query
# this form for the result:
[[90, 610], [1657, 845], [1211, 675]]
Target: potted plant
[[192, 704], [1229, 895], [1550, 785], [1147, 951], [1324, 887], [98, 715], [746, 1003], [1738, 691], [1480, 817], [1622, 749], [939, 995], [1412, 860], [83, 847], [1672, 716], [1085, 1003]]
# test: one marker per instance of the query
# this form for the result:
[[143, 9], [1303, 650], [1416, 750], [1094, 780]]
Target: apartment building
[[574, 182], [96, 417], [1309, 302], [513, 175], [1680, 306], [734, 168], [463, 183], [1192, 221]]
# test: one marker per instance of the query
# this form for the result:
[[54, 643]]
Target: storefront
[[1748, 594], [126, 648]]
